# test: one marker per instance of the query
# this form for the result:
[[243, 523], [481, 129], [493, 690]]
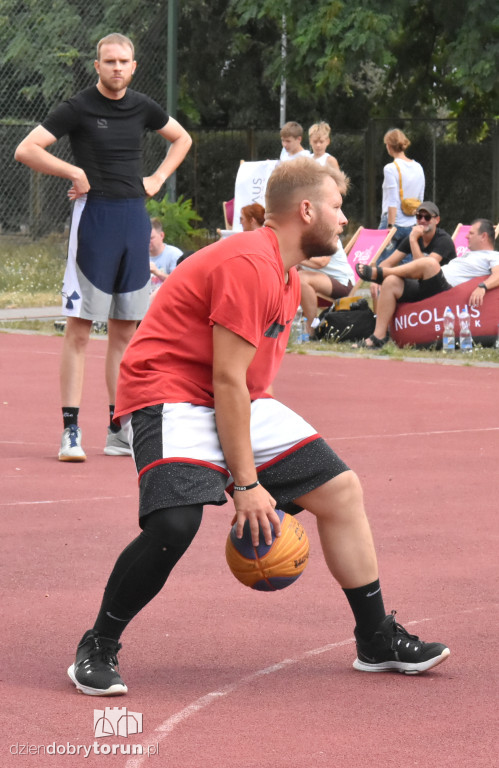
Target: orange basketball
[[269, 567]]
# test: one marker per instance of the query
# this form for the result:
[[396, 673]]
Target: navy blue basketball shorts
[[107, 273], [180, 461]]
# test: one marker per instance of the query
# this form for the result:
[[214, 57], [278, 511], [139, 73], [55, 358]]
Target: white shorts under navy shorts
[[107, 273], [180, 461]]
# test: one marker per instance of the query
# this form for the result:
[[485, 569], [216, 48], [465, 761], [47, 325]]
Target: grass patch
[[45, 327], [31, 273], [479, 355]]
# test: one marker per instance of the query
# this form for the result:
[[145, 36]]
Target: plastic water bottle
[[465, 337], [296, 328], [449, 336], [304, 333]]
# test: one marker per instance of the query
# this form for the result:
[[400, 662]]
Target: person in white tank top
[[319, 140]]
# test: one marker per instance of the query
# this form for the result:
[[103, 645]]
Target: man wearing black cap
[[426, 239]]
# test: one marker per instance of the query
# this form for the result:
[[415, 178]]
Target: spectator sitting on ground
[[252, 217], [291, 138], [329, 275], [422, 278], [319, 137], [163, 257]]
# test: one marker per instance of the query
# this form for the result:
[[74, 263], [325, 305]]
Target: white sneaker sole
[[113, 690], [401, 666], [112, 450], [72, 457]]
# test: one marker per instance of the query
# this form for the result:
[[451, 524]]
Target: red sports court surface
[[219, 676]]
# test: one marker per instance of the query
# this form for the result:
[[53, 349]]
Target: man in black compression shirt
[[107, 274]]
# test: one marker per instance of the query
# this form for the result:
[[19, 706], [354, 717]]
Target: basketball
[[268, 568]]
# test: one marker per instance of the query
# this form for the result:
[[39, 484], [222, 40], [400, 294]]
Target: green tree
[[446, 59], [346, 60], [48, 48], [367, 59]]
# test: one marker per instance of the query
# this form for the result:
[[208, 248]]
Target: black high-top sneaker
[[393, 648], [96, 671]]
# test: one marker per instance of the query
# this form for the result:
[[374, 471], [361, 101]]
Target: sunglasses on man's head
[[425, 216]]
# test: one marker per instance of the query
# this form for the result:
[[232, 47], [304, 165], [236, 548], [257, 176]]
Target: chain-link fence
[[461, 178], [47, 52]]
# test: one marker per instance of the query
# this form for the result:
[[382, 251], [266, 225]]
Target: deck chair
[[460, 240], [228, 208], [365, 247]]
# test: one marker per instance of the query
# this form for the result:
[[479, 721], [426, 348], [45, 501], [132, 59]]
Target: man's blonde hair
[[115, 39], [320, 129], [300, 178]]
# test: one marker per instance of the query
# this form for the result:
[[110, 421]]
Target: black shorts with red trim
[[294, 462]]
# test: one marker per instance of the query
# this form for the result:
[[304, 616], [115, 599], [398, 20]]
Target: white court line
[[413, 434], [168, 725], [65, 501], [350, 437], [57, 353]]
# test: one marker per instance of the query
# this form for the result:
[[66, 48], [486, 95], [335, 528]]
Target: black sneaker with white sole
[[392, 648], [96, 671]]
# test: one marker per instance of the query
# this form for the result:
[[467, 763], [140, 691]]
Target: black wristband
[[482, 285], [246, 487]]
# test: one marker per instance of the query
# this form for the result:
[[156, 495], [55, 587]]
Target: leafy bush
[[177, 219]]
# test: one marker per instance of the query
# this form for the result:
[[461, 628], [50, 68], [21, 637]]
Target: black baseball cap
[[429, 208]]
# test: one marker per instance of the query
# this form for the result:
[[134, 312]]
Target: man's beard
[[318, 242], [114, 85]]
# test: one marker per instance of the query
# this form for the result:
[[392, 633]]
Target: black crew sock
[[112, 426], [367, 607], [70, 416], [138, 575]]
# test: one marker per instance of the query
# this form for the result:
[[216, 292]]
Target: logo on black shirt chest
[[101, 122]]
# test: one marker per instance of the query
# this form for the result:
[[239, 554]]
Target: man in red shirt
[[192, 397]]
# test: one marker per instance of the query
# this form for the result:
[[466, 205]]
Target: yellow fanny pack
[[409, 205]]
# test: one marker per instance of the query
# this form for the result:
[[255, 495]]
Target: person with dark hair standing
[[107, 274], [193, 398]]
